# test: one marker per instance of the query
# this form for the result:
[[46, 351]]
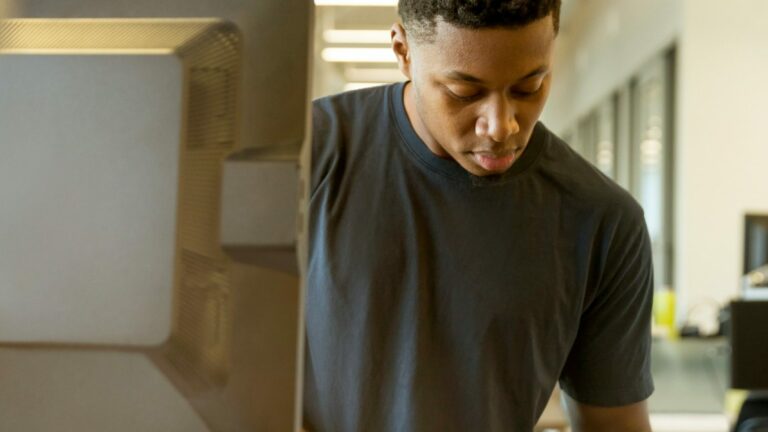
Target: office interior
[[663, 96]]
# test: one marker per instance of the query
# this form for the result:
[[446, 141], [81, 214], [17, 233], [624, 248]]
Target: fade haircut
[[421, 16]]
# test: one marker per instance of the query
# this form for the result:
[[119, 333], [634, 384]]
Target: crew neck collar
[[449, 167]]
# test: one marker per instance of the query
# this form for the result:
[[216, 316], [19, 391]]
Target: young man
[[463, 259]]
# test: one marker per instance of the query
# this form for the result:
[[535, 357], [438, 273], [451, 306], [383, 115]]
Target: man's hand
[[590, 418]]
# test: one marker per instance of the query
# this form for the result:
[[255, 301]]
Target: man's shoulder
[[345, 126], [581, 181], [352, 106]]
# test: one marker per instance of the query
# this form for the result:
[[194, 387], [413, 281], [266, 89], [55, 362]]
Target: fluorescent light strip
[[356, 3], [360, 85], [357, 36], [358, 55]]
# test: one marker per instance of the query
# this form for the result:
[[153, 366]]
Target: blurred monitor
[[142, 248], [755, 241], [748, 332]]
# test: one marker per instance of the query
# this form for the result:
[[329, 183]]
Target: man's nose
[[499, 121]]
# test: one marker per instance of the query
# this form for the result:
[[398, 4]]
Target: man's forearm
[[626, 418]]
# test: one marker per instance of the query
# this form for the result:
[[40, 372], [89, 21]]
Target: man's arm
[[591, 418]]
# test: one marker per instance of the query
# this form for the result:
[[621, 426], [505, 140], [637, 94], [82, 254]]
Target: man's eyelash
[[463, 98]]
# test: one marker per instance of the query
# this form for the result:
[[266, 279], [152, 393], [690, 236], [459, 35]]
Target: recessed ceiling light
[[357, 36], [360, 85], [356, 2], [359, 55]]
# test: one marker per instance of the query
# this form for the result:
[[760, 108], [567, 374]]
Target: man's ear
[[401, 49]]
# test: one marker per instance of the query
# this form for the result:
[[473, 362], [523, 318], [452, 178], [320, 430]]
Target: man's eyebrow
[[461, 76], [541, 70]]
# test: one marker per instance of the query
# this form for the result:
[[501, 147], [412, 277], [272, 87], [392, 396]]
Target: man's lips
[[495, 162]]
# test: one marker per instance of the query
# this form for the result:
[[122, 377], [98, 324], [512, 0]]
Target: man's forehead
[[475, 54]]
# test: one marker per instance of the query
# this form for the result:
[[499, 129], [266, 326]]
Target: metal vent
[[88, 35], [200, 344], [212, 69]]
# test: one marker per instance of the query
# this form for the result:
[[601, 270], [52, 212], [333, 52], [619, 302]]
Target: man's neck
[[418, 126]]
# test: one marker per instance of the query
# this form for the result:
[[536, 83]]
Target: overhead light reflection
[[361, 85], [357, 36], [356, 2], [650, 152], [358, 55]]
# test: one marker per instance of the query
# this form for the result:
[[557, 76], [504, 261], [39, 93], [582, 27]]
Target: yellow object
[[664, 311], [734, 399]]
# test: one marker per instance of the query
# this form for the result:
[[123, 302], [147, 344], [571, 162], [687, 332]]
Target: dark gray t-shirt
[[441, 301]]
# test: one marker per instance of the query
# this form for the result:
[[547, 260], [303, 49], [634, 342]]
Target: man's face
[[475, 95]]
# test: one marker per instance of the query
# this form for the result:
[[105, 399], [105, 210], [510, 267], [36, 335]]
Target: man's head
[[480, 74]]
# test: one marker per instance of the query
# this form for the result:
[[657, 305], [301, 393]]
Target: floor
[[691, 377]]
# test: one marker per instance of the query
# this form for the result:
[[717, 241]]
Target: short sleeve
[[325, 141], [609, 361]]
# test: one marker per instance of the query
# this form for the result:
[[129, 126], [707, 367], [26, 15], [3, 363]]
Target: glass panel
[[623, 136], [650, 149], [605, 140], [586, 137]]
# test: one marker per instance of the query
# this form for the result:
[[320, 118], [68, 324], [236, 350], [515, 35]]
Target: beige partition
[[223, 351]]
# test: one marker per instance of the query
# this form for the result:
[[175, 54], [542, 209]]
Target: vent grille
[[101, 34], [202, 333], [200, 342]]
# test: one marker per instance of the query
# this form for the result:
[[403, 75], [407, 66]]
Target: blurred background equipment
[[755, 279], [152, 219], [748, 332], [755, 241]]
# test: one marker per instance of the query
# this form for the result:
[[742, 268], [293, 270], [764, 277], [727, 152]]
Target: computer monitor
[[148, 262], [755, 241]]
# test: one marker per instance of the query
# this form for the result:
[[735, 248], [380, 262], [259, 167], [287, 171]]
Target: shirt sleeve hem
[[610, 397]]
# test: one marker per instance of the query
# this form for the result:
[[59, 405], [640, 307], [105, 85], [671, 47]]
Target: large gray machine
[[152, 217]]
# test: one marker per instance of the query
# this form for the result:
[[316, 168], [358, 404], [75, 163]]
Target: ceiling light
[[360, 85], [359, 55], [357, 36], [356, 3]]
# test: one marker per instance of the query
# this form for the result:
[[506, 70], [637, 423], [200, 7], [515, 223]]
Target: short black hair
[[420, 16]]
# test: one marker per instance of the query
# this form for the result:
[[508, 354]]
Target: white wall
[[720, 142], [90, 148], [723, 150]]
